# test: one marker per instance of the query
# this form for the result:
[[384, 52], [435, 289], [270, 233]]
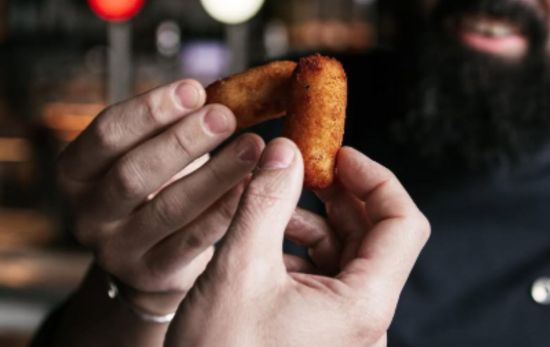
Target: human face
[[481, 73], [509, 29]]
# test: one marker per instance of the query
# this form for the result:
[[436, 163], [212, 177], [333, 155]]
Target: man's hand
[[147, 226], [248, 296]]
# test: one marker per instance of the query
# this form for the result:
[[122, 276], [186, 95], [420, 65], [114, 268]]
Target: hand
[[148, 227], [248, 297]]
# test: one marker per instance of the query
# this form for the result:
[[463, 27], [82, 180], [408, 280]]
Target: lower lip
[[512, 46]]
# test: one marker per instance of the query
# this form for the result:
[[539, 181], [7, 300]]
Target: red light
[[116, 10]]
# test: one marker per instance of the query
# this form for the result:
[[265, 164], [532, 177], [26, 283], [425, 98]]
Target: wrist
[[90, 310], [149, 303], [158, 303]]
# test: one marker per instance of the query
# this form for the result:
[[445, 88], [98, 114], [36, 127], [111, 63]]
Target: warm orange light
[[116, 10], [67, 120], [14, 149]]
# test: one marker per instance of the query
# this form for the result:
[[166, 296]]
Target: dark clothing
[[490, 232], [490, 243]]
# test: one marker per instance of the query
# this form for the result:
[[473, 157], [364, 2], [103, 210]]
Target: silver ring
[[113, 292]]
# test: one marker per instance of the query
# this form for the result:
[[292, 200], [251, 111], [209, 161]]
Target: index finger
[[398, 229], [122, 126]]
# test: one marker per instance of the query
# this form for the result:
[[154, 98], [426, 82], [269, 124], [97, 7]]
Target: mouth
[[494, 36]]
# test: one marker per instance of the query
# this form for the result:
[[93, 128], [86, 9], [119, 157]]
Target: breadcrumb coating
[[313, 93], [256, 95], [316, 116]]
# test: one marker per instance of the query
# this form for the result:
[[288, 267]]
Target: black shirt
[[490, 229]]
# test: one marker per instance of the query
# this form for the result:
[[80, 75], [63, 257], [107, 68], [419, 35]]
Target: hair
[[476, 108]]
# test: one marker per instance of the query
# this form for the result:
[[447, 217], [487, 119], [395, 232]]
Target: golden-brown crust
[[316, 116], [256, 95], [314, 95]]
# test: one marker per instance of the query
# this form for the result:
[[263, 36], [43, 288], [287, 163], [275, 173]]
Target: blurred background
[[61, 63]]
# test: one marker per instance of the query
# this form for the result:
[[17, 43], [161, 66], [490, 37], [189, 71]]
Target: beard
[[472, 108]]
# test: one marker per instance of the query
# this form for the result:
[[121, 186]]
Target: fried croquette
[[316, 116], [313, 93], [256, 95]]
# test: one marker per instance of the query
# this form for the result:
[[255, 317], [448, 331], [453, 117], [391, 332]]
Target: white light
[[232, 11], [168, 38]]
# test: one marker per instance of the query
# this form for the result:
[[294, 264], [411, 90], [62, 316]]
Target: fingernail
[[216, 122], [189, 95], [278, 155], [247, 151]]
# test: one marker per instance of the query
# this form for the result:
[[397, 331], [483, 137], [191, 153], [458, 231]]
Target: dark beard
[[475, 109]]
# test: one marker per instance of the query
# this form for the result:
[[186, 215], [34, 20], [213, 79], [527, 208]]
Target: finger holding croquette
[[312, 93]]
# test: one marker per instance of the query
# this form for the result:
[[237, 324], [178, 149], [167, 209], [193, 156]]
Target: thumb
[[256, 235]]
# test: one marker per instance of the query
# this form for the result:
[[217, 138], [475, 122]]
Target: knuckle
[[257, 200], [263, 195], [418, 228], [166, 210], [107, 133], [421, 227], [183, 142], [388, 175], [215, 174], [425, 228], [153, 107], [127, 180]]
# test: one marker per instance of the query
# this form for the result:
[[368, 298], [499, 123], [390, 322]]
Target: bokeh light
[[116, 10], [232, 11]]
